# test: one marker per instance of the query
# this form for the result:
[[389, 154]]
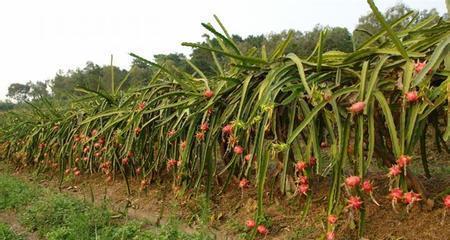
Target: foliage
[[58, 216], [7, 233], [14, 193], [6, 105], [257, 112], [66, 216]]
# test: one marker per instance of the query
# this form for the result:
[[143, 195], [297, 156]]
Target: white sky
[[37, 38]]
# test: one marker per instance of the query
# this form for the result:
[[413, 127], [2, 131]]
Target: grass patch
[[61, 217], [6, 233], [14, 192], [133, 230], [56, 216]]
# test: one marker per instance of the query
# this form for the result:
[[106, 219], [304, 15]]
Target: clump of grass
[[56, 216], [7, 233], [172, 231], [302, 233], [130, 230], [14, 193], [134, 230], [61, 217]]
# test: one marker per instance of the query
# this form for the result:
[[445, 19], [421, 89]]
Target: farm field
[[244, 142]]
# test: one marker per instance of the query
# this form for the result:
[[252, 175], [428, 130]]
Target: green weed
[[6, 233], [14, 193]]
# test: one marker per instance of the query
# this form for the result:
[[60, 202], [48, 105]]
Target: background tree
[[368, 25], [140, 73], [92, 76], [38, 89], [18, 92], [6, 105]]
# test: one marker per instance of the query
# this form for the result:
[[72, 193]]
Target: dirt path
[[10, 217]]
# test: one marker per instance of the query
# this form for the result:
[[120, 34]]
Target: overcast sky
[[37, 38]]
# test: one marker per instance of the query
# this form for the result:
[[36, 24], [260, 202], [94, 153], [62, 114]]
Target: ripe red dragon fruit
[[262, 230], [354, 202], [86, 149], [138, 171], [200, 136], [352, 181], [396, 194], [77, 173], [419, 66], [227, 129], [238, 150], [250, 223], [303, 188], [447, 201], [412, 96], [204, 126], [331, 236], [171, 133], [244, 183], [332, 219], [303, 180], [248, 157], [324, 145], [367, 186], [208, 94], [125, 161], [171, 163], [403, 161], [411, 197], [300, 166], [395, 170], [312, 161], [141, 106], [357, 107], [137, 130], [183, 145], [94, 132]]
